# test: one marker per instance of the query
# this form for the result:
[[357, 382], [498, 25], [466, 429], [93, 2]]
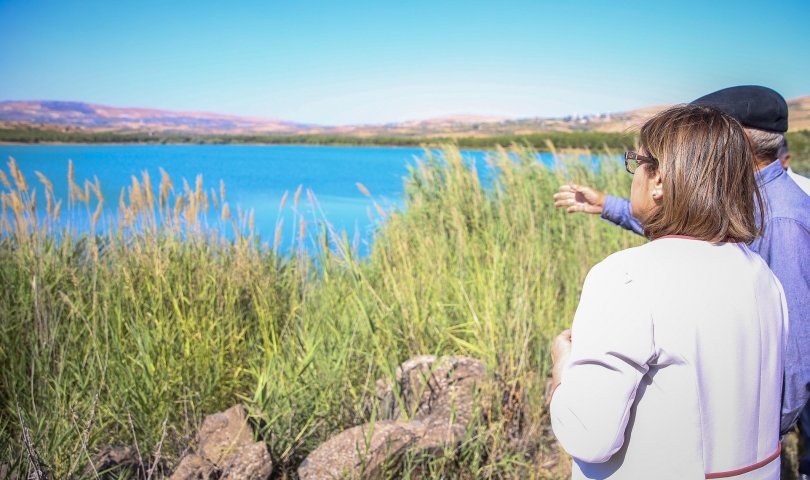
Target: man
[[784, 159], [784, 244]]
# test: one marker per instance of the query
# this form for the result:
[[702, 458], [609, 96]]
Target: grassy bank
[[580, 140], [131, 336], [799, 143]]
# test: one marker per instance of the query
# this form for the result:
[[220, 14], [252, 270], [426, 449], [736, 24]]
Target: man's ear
[[785, 161]]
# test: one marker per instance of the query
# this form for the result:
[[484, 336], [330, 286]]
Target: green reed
[[175, 310]]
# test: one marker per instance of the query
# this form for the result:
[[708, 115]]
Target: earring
[[656, 192]]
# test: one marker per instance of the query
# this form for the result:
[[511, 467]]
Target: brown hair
[[706, 163]]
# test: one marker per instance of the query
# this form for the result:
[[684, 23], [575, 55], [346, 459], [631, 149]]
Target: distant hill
[[799, 109], [99, 118], [73, 116]]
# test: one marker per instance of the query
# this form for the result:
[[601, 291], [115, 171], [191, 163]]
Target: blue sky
[[332, 63]]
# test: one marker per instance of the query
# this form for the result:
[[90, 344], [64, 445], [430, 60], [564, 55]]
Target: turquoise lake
[[256, 177]]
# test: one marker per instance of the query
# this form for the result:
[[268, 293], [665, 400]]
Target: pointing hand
[[579, 198]]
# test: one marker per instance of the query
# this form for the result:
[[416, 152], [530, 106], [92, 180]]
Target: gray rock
[[113, 459], [425, 412], [439, 435], [363, 451], [194, 467], [4, 473], [226, 451], [440, 387], [224, 434], [252, 462]]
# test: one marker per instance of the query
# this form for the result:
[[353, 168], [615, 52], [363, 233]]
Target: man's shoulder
[[786, 200], [802, 182]]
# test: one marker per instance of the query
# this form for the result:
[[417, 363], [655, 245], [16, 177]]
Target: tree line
[[596, 141], [540, 141]]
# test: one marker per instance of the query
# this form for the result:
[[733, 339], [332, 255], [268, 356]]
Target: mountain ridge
[[72, 116]]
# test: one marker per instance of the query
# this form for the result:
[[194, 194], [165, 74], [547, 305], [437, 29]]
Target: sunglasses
[[632, 160]]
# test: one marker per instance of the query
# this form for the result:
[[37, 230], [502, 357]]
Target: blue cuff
[[616, 210], [612, 210]]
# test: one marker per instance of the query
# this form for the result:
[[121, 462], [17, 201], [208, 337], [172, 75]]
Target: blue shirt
[[785, 247], [617, 210]]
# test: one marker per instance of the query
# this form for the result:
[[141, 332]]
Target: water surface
[[255, 176]]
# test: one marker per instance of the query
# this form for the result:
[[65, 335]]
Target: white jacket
[[676, 365], [802, 182]]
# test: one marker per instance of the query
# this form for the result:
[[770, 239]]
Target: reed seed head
[[380, 210], [44, 180], [17, 175], [96, 216], [296, 197], [48, 203], [86, 193], [276, 240], [96, 186], [147, 190], [4, 180], [214, 198], [363, 189], [136, 200]]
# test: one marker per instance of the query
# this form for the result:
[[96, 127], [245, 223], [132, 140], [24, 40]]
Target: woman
[[673, 366]]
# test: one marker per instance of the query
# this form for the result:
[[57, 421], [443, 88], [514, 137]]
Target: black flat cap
[[753, 106]]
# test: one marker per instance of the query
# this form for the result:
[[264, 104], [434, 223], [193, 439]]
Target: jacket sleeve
[[785, 247], [616, 210], [612, 343]]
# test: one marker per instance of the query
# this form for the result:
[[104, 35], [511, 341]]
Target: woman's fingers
[[560, 351], [562, 345]]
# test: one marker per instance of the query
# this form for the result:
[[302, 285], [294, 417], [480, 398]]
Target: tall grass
[[799, 143], [173, 309]]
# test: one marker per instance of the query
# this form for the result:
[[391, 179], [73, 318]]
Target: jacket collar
[[770, 173]]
